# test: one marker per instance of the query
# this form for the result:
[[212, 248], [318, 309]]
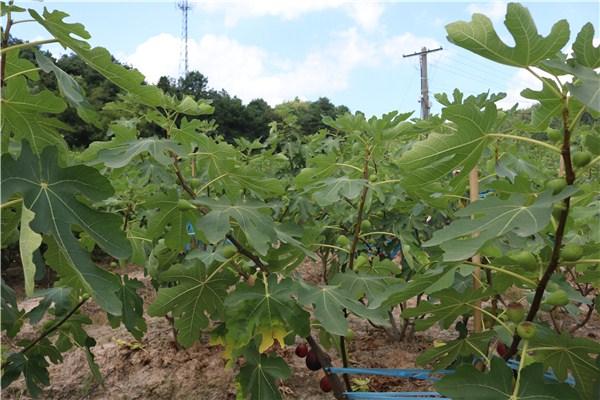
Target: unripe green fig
[[554, 135], [195, 182], [556, 185], [356, 147], [557, 209], [349, 334], [526, 330], [552, 286], [184, 205], [343, 241], [515, 312], [571, 252], [229, 251], [372, 178], [365, 225], [582, 158], [558, 298], [525, 259], [487, 318], [360, 261]]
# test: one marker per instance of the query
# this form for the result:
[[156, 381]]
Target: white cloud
[[365, 13], [495, 10], [250, 72], [521, 80]]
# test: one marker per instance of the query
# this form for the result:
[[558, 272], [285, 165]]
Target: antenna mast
[[184, 6]]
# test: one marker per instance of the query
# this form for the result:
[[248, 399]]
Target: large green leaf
[[586, 87], [133, 308], [120, 153], [98, 58], [259, 375], [16, 65], [12, 317], [251, 216], [585, 52], [69, 89], [266, 309], [362, 284], [443, 356], [53, 193], [199, 292], [469, 383], [449, 305], [329, 303], [550, 103], [319, 167], [23, 115], [332, 190], [169, 222], [565, 354], [440, 154], [400, 292], [480, 37], [494, 217]]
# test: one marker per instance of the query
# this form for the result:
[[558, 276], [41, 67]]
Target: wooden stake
[[474, 196]]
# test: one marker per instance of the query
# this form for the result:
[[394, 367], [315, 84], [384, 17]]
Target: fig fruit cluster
[[313, 363]]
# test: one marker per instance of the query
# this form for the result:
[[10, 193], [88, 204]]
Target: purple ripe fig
[[312, 362], [325, 384], [302, 350]]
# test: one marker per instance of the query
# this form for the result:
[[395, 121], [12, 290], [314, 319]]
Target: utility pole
[[425, 106]]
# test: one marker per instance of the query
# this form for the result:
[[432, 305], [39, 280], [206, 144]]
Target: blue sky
[[350, 52]]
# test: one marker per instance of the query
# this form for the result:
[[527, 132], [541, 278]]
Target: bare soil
[[155, 369]]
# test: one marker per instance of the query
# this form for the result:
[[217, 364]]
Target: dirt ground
[[155, 369]]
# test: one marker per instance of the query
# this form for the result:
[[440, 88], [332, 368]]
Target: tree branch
[[559, 235], [325, 361], [54, 327]]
